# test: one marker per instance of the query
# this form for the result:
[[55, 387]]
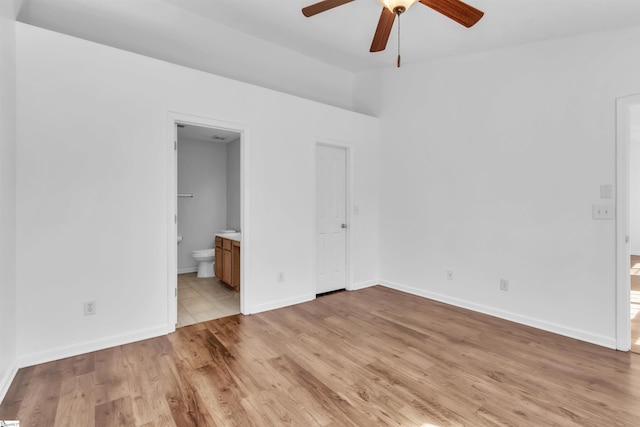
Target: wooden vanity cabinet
[[235, 265], [227, 262], [217, 265], [226, 266]]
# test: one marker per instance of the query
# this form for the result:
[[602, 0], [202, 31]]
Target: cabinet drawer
[[218, 242], [226, 244]]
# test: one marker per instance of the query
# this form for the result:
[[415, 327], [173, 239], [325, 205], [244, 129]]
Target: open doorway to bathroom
[[628, 223], [634, 220], [208, 205]]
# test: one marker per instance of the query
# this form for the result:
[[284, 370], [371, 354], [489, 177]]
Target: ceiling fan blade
[[322, 6], [383, 30], [459, 11]]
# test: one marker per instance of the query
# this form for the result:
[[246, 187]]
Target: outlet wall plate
[[89, 308], [603, 211]]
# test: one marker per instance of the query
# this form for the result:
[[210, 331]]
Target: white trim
[[6, 381], [186, 270], [172, 226], [89, 346], [363, 285], [556, 328], [172, 191], [348, 149], [274, 305], [623, 280]]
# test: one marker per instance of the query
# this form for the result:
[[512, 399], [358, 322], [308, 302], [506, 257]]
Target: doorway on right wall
[[635, 303], [634, 224]]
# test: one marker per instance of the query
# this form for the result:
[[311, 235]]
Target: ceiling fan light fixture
[[397, 6]]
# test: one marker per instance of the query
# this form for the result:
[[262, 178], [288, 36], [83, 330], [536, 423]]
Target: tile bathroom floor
[[202, 299]]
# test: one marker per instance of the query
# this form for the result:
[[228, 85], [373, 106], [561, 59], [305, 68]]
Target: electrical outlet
[[89, 308], [449, 275], [281, 277], [603, 211], [504, 285]]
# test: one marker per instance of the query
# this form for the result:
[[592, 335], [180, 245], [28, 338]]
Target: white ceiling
[[340, 37], [201, 133]]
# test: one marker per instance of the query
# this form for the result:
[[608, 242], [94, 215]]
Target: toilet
[[205, 259]]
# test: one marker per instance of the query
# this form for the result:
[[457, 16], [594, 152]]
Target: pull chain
[[399, 39]]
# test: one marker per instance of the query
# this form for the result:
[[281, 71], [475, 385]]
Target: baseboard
[[273, 305], [89, 346], [187, 270], [634, 253], [362, 285], [6, 381], [578, 334]]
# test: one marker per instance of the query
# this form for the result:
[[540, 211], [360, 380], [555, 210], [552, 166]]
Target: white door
[[331, 202]]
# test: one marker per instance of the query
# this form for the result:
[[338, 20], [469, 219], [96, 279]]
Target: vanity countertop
[[231, 236]]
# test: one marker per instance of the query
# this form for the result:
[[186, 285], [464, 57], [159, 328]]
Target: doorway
[[627, 220], [634, 223], [216, 193], [208, 205], [635, 303], [332, 197]]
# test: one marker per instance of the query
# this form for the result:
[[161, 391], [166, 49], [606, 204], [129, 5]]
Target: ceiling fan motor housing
[[397, 6]]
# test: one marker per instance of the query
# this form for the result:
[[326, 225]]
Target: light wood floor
[[372, 357], [635, 304]]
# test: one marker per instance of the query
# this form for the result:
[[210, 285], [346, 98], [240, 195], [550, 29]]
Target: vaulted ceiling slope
[[261, 41]]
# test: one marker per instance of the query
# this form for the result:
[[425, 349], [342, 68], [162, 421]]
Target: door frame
[[623, 278], [347, 147], [173, 119]]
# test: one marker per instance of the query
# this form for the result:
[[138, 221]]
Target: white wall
[[7, 195], [207, 46], [93, 179], [202, 170], [233, 185], [491, 164], [634, 182]]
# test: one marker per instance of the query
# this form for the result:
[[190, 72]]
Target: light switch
[[606, 211]]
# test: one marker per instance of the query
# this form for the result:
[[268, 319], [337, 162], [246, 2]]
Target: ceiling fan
[[457, 10]]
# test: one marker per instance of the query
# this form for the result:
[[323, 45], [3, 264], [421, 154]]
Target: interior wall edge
[[6, 381], [556, 328], [8, 195]]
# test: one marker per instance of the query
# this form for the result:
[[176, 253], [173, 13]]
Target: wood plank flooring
[[374, 357]]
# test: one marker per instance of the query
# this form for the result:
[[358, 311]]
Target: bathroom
[[208, 205]]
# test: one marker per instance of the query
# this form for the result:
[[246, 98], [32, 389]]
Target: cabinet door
[[218, 262], [226, 266], [235, 261]]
